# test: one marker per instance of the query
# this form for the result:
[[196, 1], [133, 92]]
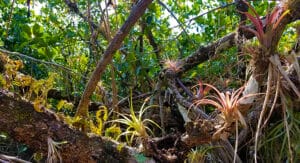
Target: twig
[[181, 100], [206, 52], [125, 99], [39, 61], [73, 7], [202, 14], [188, 92], [173, 15], [11, 159]]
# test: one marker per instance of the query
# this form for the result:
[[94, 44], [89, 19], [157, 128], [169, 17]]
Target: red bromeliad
[[201, 92], [270, 24], [227, 103]]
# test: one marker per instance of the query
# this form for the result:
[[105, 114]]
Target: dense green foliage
[[53, 33], [63, 47]]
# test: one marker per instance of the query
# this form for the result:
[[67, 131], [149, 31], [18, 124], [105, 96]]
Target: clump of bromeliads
[[278, 84]]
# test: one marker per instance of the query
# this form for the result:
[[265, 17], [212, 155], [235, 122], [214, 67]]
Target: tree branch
[[136, 13], [25, 125], [173, 15], [228, 41], [36, 60]]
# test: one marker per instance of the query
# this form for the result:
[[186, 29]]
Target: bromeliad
[[270, 24], [227, 103]]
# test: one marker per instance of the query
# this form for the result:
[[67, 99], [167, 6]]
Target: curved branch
[[136, 13], [228, 41]]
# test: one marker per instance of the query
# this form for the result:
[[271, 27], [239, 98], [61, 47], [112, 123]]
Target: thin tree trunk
[[137, 12]]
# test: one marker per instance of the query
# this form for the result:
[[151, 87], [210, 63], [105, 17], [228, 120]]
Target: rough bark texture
[[206, 52], [114, 45], [25, 125]]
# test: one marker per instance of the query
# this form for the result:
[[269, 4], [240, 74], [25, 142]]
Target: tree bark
[[137, 12], [205, 52], [19, 119]]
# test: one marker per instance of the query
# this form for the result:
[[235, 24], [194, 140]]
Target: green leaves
[[136, 125], [37, 30]]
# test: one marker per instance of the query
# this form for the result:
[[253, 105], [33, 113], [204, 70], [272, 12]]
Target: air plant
[[201, 91], [200, 154], [271, 23], [173, 65], [136, 125], [227, 103]]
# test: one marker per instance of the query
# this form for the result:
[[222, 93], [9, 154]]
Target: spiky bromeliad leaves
[[201, 91], [270, 24], [200, 153], [227, 103], [172, 65], [136, 125]]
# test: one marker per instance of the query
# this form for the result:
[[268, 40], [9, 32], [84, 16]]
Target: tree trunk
[[114, 45], [19, 119]]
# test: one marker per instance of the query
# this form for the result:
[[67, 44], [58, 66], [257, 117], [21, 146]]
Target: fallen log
[[22, 123]]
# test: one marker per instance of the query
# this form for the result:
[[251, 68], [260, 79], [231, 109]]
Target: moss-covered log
[[19, 119]]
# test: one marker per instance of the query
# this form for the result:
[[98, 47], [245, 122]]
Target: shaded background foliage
[[53, 32]]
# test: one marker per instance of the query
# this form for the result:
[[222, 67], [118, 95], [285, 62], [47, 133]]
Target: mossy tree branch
[[23, 124]]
